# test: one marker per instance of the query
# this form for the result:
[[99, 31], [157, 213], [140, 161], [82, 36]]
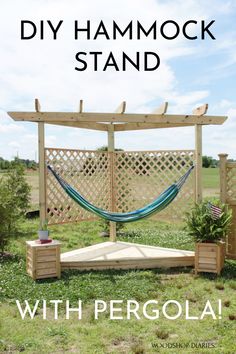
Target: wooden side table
[[43, 260]]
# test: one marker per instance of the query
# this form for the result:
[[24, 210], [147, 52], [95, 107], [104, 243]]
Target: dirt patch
[[125, 345]]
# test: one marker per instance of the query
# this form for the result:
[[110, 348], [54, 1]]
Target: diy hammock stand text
[[134, 31]]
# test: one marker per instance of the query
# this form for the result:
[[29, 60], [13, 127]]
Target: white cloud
[[14, 144], [50, 140], [7, 125], [221, 139], [45, 69], [9, 128], [225, 103]]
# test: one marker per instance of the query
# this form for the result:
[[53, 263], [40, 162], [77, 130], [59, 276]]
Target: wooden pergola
[[117, 122]]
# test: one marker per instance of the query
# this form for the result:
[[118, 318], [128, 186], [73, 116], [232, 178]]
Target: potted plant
[[208, 224], [43, 232]]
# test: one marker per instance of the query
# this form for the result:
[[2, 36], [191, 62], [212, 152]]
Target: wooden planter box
[[209, 257], [43, 260]]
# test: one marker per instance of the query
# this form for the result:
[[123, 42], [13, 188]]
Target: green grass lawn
[[211, 178], [114, 336], [211, 182]]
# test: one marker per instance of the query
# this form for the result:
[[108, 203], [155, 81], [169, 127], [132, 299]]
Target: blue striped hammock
[[160, 203]]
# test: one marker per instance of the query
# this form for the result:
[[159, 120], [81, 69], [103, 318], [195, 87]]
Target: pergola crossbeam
[[83, 125], [141, 126], [161, 110], [50, 117]]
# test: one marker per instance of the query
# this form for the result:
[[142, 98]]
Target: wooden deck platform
[[124, 255]]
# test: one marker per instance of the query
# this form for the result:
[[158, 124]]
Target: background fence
[[228, 195], [231, 200]]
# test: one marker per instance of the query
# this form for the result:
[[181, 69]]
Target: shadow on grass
[[112, 274], [22, 234], [7, 257], [67, 274]]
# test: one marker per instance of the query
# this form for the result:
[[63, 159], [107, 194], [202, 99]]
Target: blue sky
[[191, 73]]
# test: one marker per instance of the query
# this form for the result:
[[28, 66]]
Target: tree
[[207, 161], [14, 201], [105, 148], [6, 165]]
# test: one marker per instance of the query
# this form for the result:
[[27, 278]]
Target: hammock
[[160, 203]]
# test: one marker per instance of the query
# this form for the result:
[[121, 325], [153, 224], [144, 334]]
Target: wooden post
[[199, 112], [42, 189], [42, 179], [231, 237], [111, 148], [223, 176], [198, 168]]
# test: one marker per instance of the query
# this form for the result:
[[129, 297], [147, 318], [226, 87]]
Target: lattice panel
[[88, 172], [231, 181], [141, 176], [136, 177]]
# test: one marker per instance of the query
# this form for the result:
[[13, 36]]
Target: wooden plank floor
[[125, 255]]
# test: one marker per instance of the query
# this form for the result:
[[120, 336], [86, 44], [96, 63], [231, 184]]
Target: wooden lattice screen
[[230, 199], [135, 178], [231, 182], [87, 171]]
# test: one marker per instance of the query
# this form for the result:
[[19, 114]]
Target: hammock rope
[[160, 203]]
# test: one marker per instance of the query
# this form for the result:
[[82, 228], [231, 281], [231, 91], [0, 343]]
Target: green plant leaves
[[203, 227], [14, 201]]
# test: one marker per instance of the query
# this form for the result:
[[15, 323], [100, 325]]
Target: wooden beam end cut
[[121, 108], [37, 105], [162, 109], [200, 111], [81, 102]]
